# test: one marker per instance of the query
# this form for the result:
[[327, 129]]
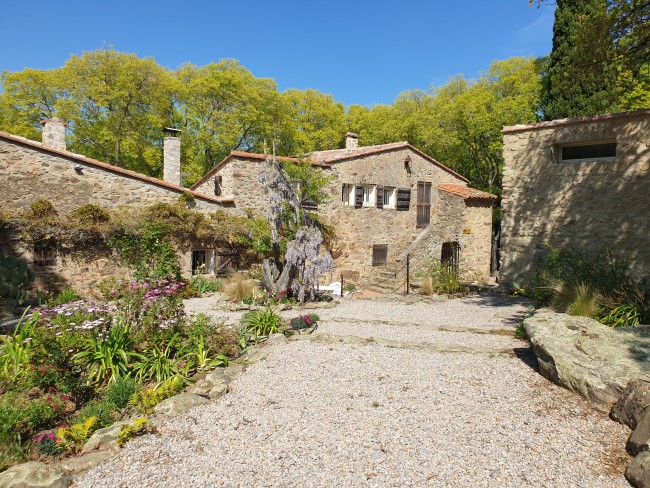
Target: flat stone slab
[[35, 474], [179, 404], [638, 471], [73, 465], [586, 357]]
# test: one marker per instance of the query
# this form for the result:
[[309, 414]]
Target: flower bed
[[79, 366]]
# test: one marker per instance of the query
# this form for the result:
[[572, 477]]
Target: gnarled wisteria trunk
[[303, 262]]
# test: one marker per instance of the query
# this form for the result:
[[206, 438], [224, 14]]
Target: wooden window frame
[[45, 253], [423, 204], [391, 192], [380, 254]]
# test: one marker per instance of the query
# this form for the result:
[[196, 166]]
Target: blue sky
[[362, 52]]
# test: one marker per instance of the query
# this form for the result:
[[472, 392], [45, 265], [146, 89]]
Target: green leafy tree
[[581, 76], [317, 122], [223, 107]]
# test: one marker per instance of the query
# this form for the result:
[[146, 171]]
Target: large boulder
[[73, 465], [633, 402], [638, 471], [587, 357], [179, 404], [640, 439], [34, 474]]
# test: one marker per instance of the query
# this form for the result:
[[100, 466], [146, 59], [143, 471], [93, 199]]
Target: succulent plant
[[15, 278]]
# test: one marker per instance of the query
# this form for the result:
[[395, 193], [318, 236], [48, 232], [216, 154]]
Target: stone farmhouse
[[30, 171], [576, 183], [388, 201]]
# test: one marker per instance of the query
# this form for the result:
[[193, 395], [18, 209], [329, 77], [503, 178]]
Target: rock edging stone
[[587, 357]]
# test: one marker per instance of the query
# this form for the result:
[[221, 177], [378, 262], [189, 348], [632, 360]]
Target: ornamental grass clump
[[238, 287], [262, 323], [598, 285]]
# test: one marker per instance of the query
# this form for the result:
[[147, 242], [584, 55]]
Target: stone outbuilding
[[387, 201], [32, 171], [576, 183]]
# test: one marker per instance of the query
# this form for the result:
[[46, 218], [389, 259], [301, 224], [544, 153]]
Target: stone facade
[[466, 220], [70, 180], [555, 196], [31, 171], [172, 160]]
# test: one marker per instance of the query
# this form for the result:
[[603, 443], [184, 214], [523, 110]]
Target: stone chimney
[[351, 140], [172, 156], [54, 133]]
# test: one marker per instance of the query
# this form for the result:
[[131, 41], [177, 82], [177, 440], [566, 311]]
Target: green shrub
[[15, 350], [140, 426], [106, 358], [41, 209], [102, 410], [157, 363], [262, 322], [145, 400], [66, 296], [90, 214], [204, 286], [147, 251], [442, 279], [73, 438], [597, 284], [119, 392]]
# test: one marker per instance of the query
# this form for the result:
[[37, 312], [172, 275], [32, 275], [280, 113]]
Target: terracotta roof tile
[[249, 155], [467, 193], [339, 155], [114, 169]]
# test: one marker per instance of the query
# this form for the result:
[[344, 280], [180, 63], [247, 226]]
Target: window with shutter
[[379, 254], [403, 198], [380, 197], [424, 204], [389, 197], [358, 196]]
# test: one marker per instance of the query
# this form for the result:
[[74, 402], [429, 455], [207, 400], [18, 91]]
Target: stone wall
[[357, 229], [584, 204], [30, 173], [239, 181]]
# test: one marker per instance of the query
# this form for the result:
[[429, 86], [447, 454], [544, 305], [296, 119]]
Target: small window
[[379, 254], [450, 257], [347, 194], [203, 261], [605, 150], [218, 188], [424, 204], [369, 196], [389, 197], [45, 253]]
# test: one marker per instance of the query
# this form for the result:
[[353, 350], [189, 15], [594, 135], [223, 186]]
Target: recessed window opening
[[218, 185], [347, 194], [45, 253], [450, 257], [424, 204], [368, 196], [389, 197], [589, 151], [379, 254], [202, 261]]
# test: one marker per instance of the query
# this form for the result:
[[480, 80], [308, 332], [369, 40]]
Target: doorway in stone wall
[[450, 257]]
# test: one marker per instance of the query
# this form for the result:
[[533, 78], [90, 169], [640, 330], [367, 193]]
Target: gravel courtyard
[[387, 392]]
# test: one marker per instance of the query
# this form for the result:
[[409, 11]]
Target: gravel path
[[344, 414]]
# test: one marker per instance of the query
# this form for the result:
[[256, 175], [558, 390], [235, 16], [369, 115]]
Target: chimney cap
[[352, 135], [172, 131], [53, 119]]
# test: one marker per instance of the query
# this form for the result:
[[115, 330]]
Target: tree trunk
[[274, 280]]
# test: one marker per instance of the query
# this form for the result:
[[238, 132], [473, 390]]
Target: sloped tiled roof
[[111, 168], [467, 193], [340, 155], [249, 155]]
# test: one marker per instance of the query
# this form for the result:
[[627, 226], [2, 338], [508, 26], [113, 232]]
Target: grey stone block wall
[[584, 205]]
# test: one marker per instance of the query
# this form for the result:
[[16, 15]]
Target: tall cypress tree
[[581, 76]]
